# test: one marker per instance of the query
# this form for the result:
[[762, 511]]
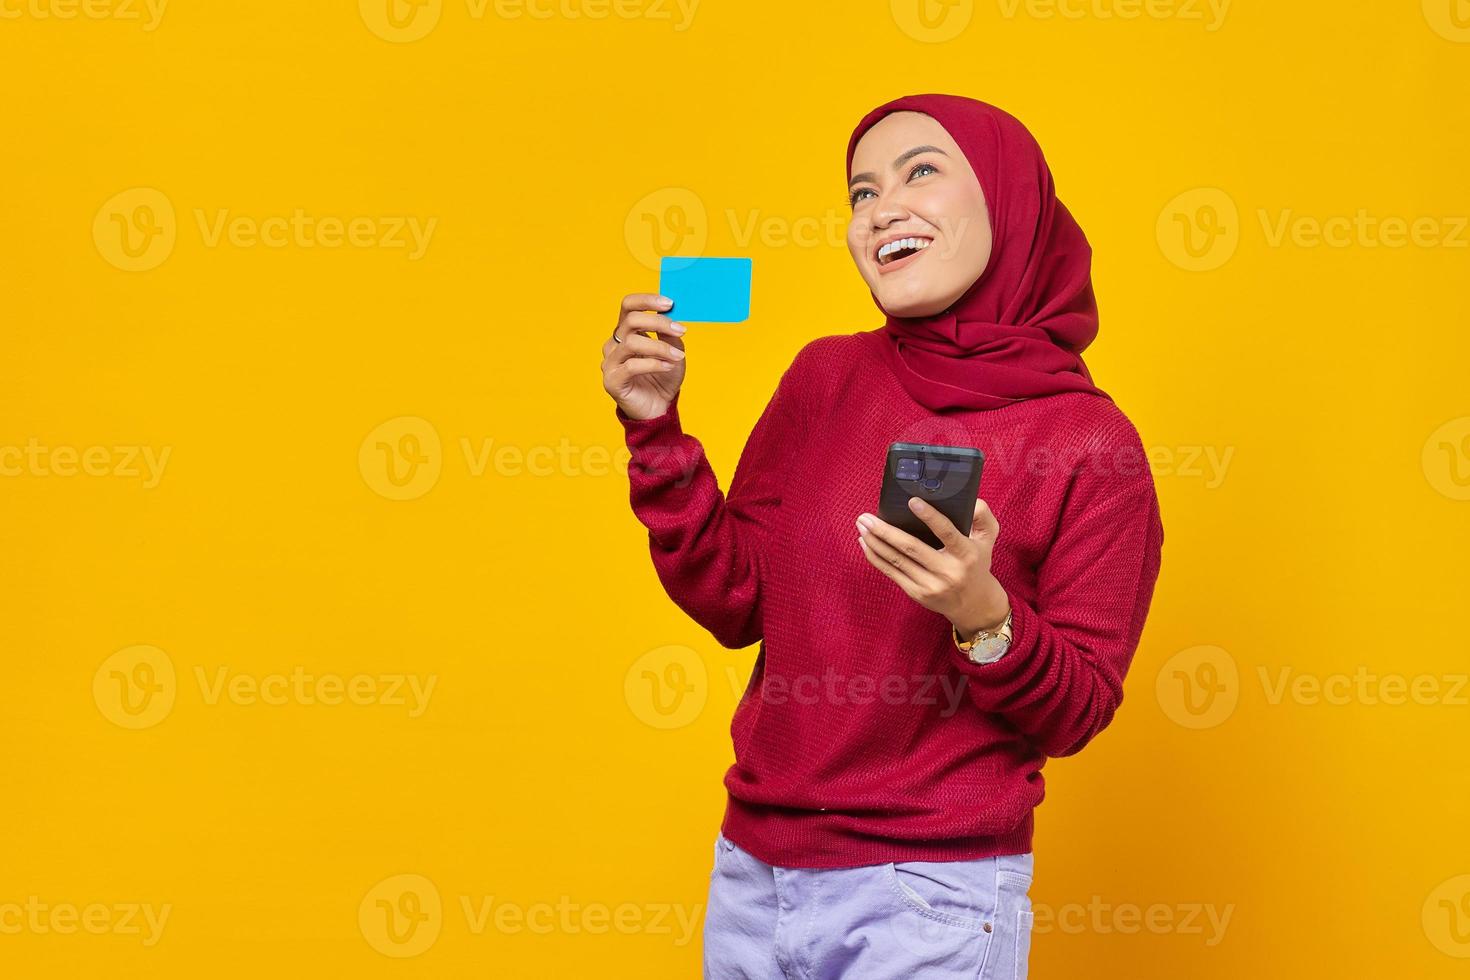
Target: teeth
[[917, 244]]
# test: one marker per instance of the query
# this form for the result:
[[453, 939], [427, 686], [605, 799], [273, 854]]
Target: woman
[[890, 742]]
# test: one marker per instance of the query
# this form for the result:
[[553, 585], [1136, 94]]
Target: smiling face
[[920, 230]]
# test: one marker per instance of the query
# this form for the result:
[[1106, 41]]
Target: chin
[[908, 307]]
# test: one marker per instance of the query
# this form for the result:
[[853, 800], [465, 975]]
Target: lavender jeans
[[919, 919]]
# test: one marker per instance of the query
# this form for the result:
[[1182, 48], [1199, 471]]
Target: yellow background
[[544, 769]]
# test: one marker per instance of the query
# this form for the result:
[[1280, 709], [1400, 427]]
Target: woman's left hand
[[954, 581]]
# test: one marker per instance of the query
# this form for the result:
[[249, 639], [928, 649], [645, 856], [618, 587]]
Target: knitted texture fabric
[[864, 735]]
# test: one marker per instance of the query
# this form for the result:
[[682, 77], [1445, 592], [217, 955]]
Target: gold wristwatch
[[986, 646]]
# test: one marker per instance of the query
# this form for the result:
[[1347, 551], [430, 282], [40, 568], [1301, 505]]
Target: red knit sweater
[[864, 736]]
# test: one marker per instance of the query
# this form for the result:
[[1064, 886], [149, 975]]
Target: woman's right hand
[[642, 374]]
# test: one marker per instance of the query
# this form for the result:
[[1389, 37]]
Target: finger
[[984, 523], [912, 570], [644, 301], [937, 522], [901, 541], [637, 345], [644, 322], [636, 304], [894, 572], [635, 366]]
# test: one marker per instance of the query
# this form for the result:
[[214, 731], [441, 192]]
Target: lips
[[893, 249], [895, 252]]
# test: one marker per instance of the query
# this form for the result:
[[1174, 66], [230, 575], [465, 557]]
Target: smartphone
[[946, 477]]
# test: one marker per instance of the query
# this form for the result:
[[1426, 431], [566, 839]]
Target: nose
[[890, 209]]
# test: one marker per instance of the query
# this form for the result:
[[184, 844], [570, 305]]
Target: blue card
[[706, 290]]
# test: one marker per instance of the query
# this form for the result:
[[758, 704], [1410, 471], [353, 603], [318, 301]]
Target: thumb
[[984, 526]]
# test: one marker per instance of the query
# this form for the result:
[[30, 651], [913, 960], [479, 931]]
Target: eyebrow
[[902, 159]]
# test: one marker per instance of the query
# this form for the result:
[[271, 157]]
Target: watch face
[[990, 649]]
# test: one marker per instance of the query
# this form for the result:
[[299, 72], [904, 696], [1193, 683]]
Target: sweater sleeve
[[1062, 678], [707, 548]]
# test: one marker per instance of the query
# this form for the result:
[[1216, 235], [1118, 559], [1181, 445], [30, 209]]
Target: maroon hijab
[[1019, 331]]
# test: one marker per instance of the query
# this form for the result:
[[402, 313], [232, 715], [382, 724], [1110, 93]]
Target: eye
[[856, 196]]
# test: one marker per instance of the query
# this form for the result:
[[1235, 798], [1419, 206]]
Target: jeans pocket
[[956, 893], [1024, 921], [1013, 907]]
